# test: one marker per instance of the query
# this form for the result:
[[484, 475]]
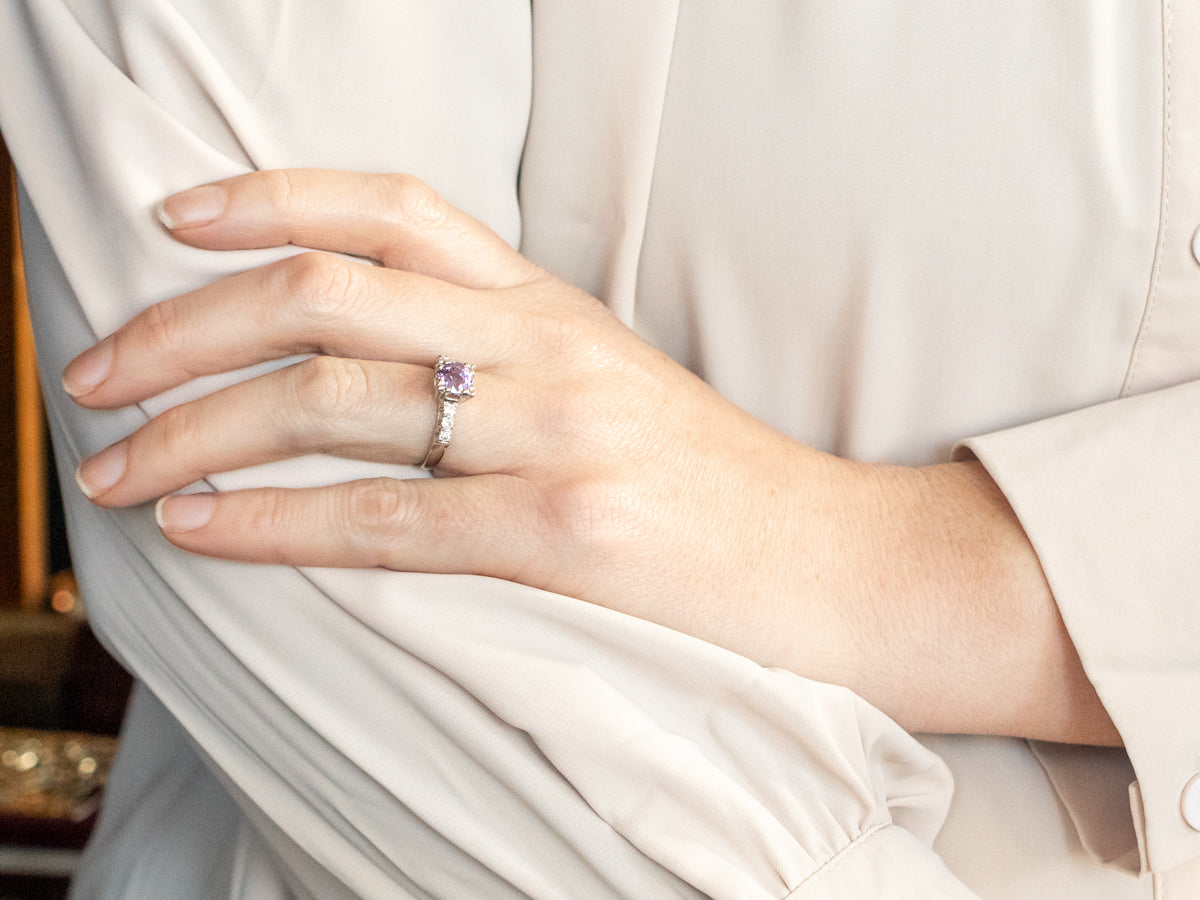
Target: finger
[[486, 525], [314, 302], [381, 412], [396, 219]]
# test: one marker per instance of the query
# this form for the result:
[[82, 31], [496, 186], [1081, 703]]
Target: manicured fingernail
[[184, 512], [100, 472], [199, 206], [89, 369]]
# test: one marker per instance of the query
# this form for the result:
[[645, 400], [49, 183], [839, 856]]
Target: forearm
[[916, 587]]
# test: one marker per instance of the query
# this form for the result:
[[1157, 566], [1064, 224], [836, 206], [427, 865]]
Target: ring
[[453, 382]]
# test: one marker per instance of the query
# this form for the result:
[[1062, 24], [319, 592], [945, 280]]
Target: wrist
[[940, 595]]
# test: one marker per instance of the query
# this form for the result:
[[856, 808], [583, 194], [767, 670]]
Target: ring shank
[[442, 430]]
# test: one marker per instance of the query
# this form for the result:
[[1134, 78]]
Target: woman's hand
[[588, 464], [592, 465]]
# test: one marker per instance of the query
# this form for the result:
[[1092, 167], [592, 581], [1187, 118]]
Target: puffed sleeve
[[387, 734], [1109, 497]]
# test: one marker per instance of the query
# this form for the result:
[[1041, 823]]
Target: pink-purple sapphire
[[454, 380]]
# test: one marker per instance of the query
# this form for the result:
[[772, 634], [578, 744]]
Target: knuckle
[[332, 389], [377, 510], [323, 286], [164, 330], [578, 334], [414, 200], [269, 515], [586, 514], [281, 187], [179, 433]]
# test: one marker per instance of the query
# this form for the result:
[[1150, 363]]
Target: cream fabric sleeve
[[1108, 496], [387, 734]]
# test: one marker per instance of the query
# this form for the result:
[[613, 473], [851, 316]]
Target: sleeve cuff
[[1108, 496], [887, 862]]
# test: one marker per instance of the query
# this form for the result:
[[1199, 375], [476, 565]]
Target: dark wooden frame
[[24, 567], [10, 550]]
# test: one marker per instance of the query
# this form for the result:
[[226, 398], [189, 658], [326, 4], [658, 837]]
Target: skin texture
[[590, 464]]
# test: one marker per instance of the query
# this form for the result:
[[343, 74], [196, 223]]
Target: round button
[[1189, 803], [1196, 245]]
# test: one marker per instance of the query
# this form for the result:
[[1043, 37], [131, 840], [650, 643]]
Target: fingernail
[[100, 472], [199, 206], [184, 512], [88, 370]]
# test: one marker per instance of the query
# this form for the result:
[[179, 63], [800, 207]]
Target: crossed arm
[[589, 465]]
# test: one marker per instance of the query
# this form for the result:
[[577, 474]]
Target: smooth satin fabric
[[929, 222]]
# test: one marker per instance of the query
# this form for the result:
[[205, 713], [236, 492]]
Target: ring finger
[[359, 409], [314, 302]]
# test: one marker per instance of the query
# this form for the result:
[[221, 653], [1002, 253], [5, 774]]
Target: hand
[[589, 463]]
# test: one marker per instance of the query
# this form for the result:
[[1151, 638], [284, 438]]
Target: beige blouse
[[933, 223]]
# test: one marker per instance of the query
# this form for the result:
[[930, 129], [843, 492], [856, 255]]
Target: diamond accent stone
[[446, 426]]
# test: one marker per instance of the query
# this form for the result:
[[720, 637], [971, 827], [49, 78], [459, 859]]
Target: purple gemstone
[[454, 379]]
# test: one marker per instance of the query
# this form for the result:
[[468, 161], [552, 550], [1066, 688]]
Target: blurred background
[[61, 695]]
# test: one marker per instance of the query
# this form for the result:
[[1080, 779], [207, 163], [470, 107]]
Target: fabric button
[[1196, 245], [1189, 804]]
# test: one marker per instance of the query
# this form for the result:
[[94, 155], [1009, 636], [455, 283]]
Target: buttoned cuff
[[1108, 496]]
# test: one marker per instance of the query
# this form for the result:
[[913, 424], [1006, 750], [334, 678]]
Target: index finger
[[394, 218]]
